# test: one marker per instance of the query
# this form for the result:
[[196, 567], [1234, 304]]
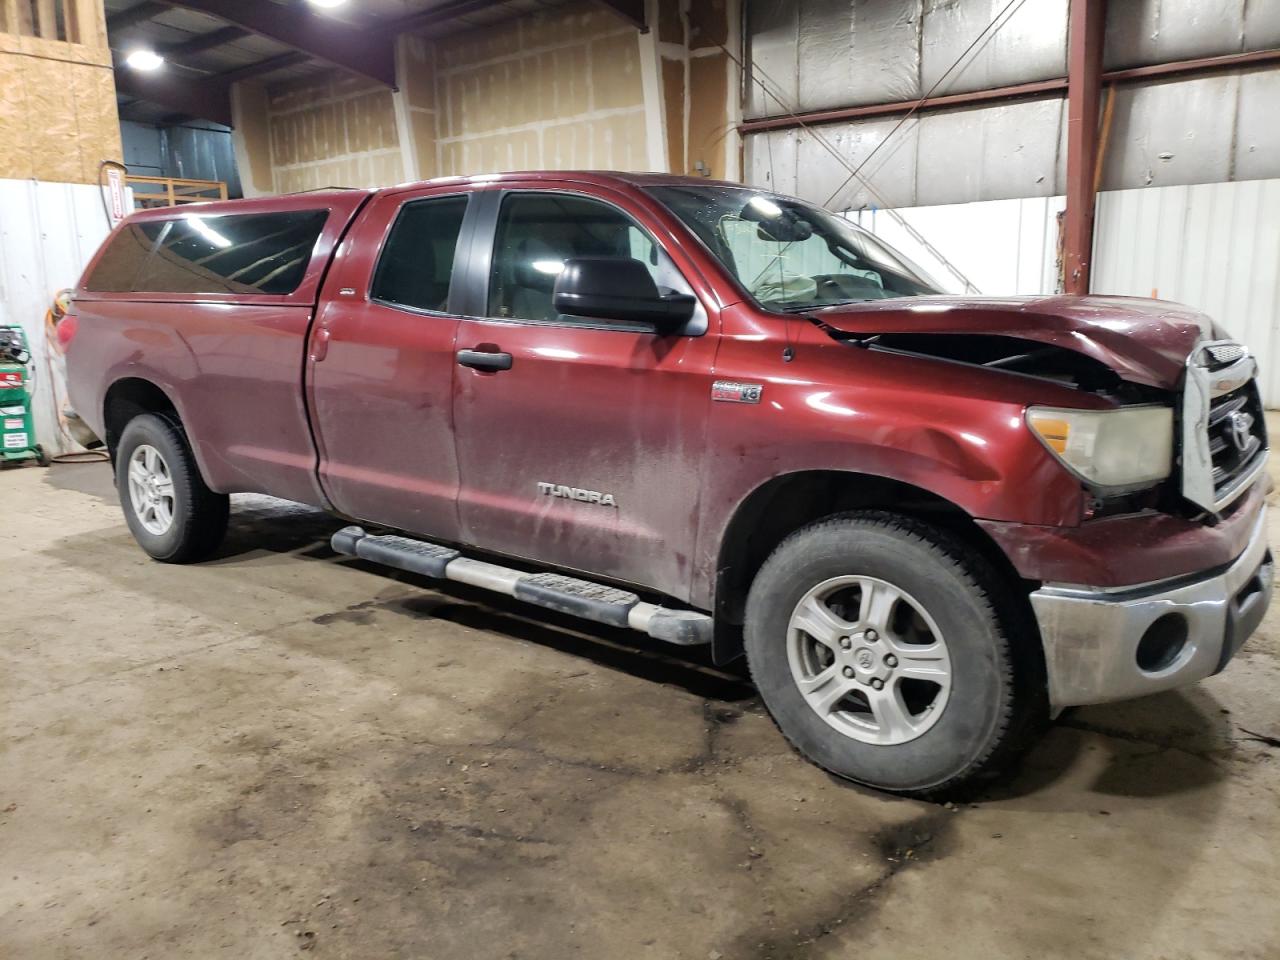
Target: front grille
[[1237, 432], [1223, 354], [1223, 439]]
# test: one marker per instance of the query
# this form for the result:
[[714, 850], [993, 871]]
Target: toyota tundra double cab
[[714, 415]]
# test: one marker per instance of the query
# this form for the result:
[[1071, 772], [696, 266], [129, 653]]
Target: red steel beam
[[1230, 61], [1037, 89], [368, 53], [1084, 89], [1040, 88]]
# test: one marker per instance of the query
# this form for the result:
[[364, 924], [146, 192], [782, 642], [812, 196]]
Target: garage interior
[[281, 749]]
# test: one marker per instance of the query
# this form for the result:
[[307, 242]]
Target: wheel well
[[785, 504], [127, 399]]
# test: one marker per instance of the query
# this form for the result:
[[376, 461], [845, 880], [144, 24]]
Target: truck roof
[[323, 197]]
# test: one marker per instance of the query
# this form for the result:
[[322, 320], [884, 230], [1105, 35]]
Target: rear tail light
[[66, 329]]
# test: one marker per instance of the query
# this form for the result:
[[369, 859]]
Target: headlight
[[1109, 448]]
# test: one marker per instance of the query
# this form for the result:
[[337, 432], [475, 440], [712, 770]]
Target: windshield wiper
[[802, 307]]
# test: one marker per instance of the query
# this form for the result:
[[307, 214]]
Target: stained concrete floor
[[279, 751]]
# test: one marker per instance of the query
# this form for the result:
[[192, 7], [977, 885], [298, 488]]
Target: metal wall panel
[[1171, 133], [1257, 134], [202, 153], [864, 51], [47, 234], [773, 29], [1003, 247], [985, 153], [1029, 43], [198, 153], [1203, 130], [1215, 247], [837, 53], [1140, 32], [993, 153]]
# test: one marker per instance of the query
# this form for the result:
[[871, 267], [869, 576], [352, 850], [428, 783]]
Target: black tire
[[42, 458], [199, 516], [996, 705]]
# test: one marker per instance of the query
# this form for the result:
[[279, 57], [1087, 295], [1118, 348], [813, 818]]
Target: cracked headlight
[[1126, 447]]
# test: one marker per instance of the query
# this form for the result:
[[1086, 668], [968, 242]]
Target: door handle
[[483, 360]]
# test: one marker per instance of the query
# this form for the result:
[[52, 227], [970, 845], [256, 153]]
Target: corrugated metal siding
[[48, 232], [818, 54], [1215, 247], [1003, 247]]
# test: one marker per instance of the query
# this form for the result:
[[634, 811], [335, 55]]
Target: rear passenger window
[[241, 253], [417, 262], [229, 253], [122, 261]]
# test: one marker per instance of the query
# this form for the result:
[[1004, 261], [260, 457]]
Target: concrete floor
[[277, 752]]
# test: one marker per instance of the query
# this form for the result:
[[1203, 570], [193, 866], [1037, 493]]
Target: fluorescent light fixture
[[327, 4], [210, 234], [143, 59]]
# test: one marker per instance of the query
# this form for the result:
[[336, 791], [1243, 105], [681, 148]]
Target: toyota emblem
[[1238, 429]]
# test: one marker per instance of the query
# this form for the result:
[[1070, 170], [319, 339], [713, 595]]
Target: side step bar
[[581, 598]]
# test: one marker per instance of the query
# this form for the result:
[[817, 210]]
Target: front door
[[585, 449], [381, 365]]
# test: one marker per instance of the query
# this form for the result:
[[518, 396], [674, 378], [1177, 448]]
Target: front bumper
[[1113, 644]]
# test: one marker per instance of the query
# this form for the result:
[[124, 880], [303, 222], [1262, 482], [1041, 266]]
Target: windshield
[[790, 255]]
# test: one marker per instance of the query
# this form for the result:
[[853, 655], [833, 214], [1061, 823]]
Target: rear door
[[381, 362], [585, 453]]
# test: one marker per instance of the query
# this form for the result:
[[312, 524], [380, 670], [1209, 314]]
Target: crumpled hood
[[1144, 341]]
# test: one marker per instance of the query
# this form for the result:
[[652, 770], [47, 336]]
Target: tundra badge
[[576, 493], [731, 391]]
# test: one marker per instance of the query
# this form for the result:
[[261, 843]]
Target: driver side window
[[538, 232]]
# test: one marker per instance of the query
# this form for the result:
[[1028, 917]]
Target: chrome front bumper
[[1102, 645]]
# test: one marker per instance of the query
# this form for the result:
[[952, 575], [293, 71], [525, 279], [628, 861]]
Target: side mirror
[[618, 288]]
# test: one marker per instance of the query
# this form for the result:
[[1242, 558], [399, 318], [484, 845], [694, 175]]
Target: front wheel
[[172, 514], [881, 648]]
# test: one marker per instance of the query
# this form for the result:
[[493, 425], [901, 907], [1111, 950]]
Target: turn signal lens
[[1127, 447]]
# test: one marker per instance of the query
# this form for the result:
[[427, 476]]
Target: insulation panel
[[558, 89]]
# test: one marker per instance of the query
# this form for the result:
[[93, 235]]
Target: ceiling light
[[144, 60], [327, 3], [210, 234]]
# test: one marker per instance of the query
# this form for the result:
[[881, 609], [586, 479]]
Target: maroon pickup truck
[[711, 414]]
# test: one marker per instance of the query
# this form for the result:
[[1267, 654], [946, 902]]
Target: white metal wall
[[1212, 246], [48, 231], [1002, 246]]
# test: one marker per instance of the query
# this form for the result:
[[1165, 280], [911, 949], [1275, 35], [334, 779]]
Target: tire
[[42, 458], [917, 612], [196, 516]]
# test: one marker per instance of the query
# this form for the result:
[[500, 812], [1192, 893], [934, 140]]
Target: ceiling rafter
[[368, 53], [631, 11], [195, 97], [251, 70], [202, 42], [135, 15]]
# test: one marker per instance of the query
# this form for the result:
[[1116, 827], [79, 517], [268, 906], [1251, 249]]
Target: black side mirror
[[618, 288]]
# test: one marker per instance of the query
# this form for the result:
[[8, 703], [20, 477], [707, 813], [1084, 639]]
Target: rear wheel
[[881, 648], [170, 510]]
